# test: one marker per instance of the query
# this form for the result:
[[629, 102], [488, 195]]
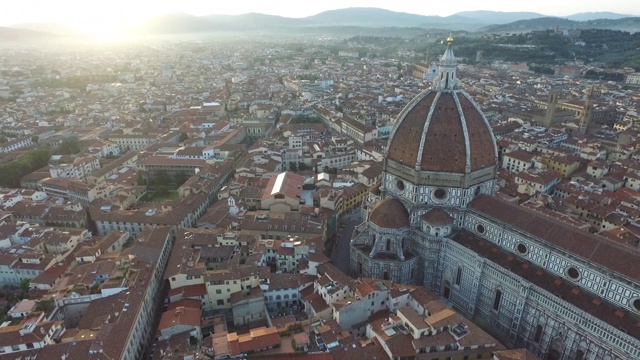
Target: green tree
[[162, 178], [67, 147], [304, 119], [162, 191], [46, 305], [25, 284], [183, 137], [142, 181], [181, 178], [11, 172], [35, 139], [3, 139], [293, 166]]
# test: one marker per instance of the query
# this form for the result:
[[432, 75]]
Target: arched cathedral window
[[459, 275], [538, 335], [497, 299], [446, 291]]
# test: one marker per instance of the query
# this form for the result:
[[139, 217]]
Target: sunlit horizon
[[109, 20]]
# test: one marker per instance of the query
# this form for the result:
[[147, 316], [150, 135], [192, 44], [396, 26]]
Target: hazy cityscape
[[356, 183]]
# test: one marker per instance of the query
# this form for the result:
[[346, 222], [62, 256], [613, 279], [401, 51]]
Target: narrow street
[[340, 257]]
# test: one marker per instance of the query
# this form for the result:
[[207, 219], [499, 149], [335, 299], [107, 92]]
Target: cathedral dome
[[443, 131], [437, 217], [389, 213]]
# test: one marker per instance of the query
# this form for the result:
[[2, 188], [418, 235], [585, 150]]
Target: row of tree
[[67, 147], [307, 119], [11, 172]]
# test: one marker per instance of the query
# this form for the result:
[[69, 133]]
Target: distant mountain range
[[367, 17], [499, 17], [586, 16], [484, 21], [12, 35], [48, 27], [631, 24]]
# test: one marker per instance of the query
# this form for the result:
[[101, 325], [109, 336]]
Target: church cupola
[[446, 78]]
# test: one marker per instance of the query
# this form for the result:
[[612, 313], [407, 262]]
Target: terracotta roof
[[375, 189], [592, 248], [516, 354], [437, 217], [180, 315], [433, 133], [389, 213], [316, 301], [563, 289], [521, 155], [256, 339], [189, 291], [286, 183]]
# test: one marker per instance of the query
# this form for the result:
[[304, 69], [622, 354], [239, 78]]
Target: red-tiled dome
[[437, 217], [389, 213], [442, 131]]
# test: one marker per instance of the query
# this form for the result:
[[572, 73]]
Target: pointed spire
[[446, 79]]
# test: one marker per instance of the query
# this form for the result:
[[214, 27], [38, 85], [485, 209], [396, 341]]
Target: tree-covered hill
[[614, 48]]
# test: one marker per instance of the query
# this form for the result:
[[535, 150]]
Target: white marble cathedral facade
[[528, 279]]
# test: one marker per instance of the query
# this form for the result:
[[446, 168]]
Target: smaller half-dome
[[437, 217], [389, 213]]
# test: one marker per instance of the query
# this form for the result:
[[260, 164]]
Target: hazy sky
[[106, 16]]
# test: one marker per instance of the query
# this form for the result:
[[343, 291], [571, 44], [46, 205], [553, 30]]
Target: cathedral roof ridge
[[562, 288], [594, 248]]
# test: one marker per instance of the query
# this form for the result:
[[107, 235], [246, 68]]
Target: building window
[[538, 335], [521, 248], [579, 355], [388, 246], [220, 302], [573, 273], [459, 275], [446, 292], [440, 194], [400, 185], [635, 304], [480, 229], [496, 300]]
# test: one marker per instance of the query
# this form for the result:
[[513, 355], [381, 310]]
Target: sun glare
[[110, 21], [100, 30]]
